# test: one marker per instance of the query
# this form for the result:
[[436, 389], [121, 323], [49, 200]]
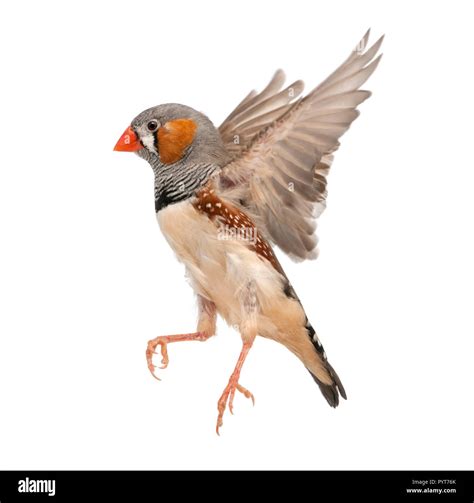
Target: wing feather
[[257, 111], [280, 164]]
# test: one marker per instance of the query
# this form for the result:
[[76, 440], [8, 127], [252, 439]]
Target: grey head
[[202, 144], [182, 146]]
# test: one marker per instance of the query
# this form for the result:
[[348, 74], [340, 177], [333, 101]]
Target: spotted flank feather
[[232, 218]]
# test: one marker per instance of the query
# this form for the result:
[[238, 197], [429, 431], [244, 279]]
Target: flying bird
[[224, 197]]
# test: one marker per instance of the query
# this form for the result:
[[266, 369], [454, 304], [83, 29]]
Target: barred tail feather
[[331, 391]]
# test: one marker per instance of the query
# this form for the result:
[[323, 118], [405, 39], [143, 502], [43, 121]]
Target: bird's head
[[173, 133]]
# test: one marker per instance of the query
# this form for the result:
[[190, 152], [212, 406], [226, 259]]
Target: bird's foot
[[228, 397], [163, 341], [150, 351]]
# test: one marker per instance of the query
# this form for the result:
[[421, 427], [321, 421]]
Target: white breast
[[220, 267]]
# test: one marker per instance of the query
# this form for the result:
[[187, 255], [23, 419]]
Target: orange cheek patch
[[173, 139]]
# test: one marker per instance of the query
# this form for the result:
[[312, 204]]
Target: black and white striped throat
[[179, 182]]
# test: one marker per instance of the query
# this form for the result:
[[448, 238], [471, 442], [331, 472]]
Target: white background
[[86, 278]]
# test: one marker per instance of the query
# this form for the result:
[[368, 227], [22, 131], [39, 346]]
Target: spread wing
[[258, 111], [278, 173]]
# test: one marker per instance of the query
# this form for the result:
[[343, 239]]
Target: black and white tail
[[332, 391]]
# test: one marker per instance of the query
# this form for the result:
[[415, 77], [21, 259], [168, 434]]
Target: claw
[[152, 368], [221, 408], [164, 353], [163, 341], [246, 393], [228, 397], [150, 351]]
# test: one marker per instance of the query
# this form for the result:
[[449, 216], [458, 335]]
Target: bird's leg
[[229, 391], [163, 341], [206, 328], [248, 330]]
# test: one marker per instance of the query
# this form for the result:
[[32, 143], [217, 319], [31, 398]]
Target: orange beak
[[128, 142]]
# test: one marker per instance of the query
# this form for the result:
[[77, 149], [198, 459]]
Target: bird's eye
[[152, 125]]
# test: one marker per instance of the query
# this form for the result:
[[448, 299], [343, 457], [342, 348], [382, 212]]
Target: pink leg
[[232, 386], [163, 341], [206, 329]]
